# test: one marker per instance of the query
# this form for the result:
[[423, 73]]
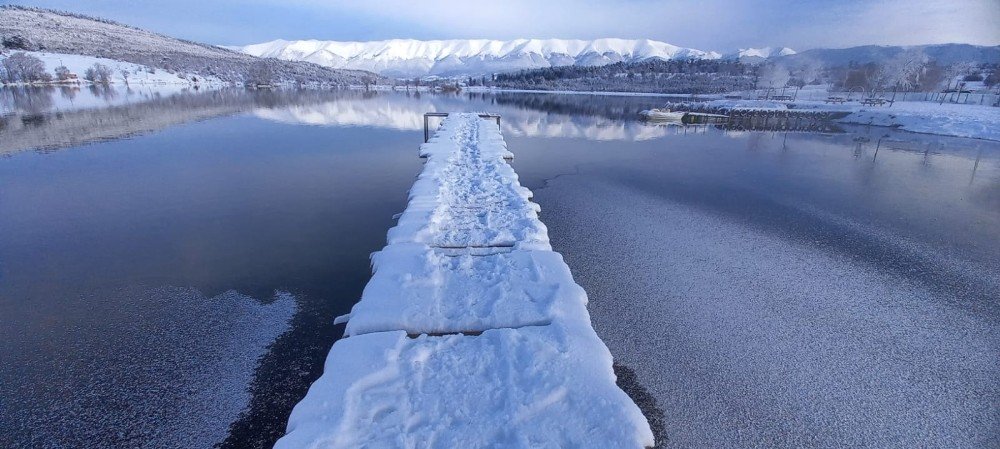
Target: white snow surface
[[409, 57], [519, 365], [137, 74], [548, 386], [926, 117], [468, 196], [960, 120], [763, 52], [425, 290]]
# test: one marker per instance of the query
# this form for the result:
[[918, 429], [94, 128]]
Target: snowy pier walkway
[[471, 332]]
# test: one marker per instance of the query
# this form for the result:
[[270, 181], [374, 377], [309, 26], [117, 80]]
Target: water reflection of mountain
[[617, 107], [35, 124], [528, 118], [52, 118], [594, 117]]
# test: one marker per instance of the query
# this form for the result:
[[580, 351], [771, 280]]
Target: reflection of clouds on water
[[402, 116]]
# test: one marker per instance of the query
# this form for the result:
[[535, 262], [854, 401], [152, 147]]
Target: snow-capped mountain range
[[760, 54], [412, 58]]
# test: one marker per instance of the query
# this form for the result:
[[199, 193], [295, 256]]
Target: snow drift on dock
[[472, 332]]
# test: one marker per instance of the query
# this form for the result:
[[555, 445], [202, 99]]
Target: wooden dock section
[[471, 332]]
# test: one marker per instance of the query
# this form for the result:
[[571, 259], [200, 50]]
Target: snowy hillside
[[136, 74], [409, 58], [33, 29]]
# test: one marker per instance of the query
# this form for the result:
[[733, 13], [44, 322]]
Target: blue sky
[[720, 25]]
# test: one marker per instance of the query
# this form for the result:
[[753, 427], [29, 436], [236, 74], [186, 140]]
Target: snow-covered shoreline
[[136, 73], [925, 117], [971, 121]]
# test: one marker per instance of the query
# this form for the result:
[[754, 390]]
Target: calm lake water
[[171, 263]]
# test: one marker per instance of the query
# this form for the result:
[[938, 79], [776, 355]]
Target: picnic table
[[782, 98], [874, 101], [838, 100]]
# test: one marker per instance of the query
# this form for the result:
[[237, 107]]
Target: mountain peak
[[410, 57], [762, 53]]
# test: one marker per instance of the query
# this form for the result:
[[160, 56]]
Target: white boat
[[663, 114]]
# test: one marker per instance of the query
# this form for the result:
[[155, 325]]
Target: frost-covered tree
[[880, 76], [858, 77], [992, 79], [260, 73], [905, 69], [932, 77], [21, 67], [955, 72], [98, 74], [15, 42], [809, 72], [674, 76], [62, 73], [973, 77], [773, 75], [125, 74]]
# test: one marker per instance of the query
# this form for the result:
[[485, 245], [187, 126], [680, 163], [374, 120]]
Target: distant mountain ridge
[[405, 58], [943, 54], [411, 58], [756, 55], [37, 29]]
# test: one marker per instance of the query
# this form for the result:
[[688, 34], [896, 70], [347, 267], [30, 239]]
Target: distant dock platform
[[471, 332]]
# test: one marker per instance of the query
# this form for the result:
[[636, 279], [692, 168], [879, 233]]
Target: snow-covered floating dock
[[471, 332]]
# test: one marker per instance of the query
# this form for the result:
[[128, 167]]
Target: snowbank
[[960, 120], [467, 195], [746, 104], [548, 386], [424, 291], [519, 364]]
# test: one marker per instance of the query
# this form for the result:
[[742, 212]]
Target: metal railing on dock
[[428, 115]]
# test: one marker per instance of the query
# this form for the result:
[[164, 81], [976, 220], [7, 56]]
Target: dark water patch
[[238, 204], [629, 383], [137, 366]]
